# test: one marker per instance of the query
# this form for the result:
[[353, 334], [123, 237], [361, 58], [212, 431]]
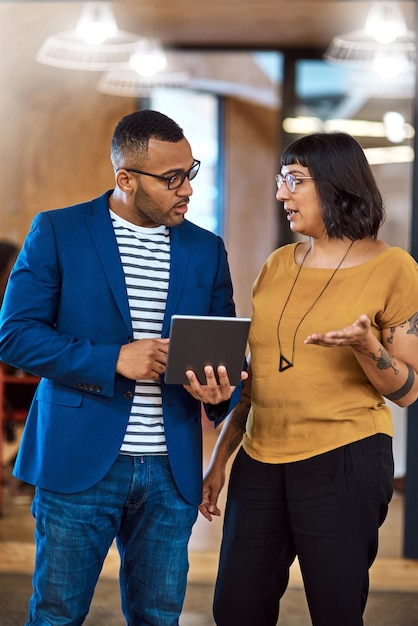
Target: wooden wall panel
[[55, 152], [250, 206]]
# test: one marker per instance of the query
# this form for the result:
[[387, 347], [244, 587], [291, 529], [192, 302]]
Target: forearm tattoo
[[384, 361], [413, 327]]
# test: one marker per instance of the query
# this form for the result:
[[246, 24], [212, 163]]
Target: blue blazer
[[65, 316]]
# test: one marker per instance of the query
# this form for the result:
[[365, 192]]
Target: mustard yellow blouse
[[324, 401]]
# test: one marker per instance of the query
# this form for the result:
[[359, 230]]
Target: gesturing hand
[[354, 335]]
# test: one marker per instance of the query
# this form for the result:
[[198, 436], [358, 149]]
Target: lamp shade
[[358, 48], [126, 82], [67, 50], [384, 45]]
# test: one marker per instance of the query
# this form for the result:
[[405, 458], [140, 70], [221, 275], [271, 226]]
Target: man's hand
[[212, 392], [143, 360]]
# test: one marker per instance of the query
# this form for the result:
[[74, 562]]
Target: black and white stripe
[[145, 256]]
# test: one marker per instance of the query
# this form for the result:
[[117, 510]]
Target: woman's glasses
[[290, 180]]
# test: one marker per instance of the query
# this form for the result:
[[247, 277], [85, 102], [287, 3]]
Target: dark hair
[[133, 132], [351, 203]]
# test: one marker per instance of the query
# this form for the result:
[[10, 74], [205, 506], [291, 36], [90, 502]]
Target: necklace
[[285, 363]]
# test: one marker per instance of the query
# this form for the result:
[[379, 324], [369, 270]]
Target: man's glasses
[[173, 182], [290, 180]]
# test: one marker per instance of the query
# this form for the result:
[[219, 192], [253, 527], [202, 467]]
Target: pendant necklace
[[284, 363]]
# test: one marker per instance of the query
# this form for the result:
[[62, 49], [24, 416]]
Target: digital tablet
[[196, 341]]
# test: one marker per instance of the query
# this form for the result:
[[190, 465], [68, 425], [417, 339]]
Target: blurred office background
[[243, 78]]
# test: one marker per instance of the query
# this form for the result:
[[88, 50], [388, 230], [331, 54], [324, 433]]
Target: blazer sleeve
[[31, 337]]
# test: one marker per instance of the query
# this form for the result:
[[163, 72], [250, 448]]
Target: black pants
[[326, 510]]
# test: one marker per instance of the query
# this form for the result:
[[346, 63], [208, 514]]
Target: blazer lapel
[[179, 260], [100, 225]]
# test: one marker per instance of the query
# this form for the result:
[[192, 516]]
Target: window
[[198, 114]]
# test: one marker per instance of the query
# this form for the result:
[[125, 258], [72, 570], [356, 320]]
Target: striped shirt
[[145, 257]]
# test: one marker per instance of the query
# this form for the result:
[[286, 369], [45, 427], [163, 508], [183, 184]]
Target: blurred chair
[[16, 393]]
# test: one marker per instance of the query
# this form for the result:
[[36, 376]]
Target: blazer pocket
[[54, 393]]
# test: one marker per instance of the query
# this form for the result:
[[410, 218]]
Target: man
[[112, 450]]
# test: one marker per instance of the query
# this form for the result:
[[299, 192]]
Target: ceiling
[[190, 24], [214, 23], [256, 23]]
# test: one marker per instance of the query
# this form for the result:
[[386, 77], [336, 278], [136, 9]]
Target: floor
[[390, 573]]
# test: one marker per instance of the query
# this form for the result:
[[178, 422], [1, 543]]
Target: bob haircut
[[351, 203]]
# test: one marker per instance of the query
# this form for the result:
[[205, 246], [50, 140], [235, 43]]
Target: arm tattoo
[[384, 361], [413, 327], [397, 395], [392, 332]]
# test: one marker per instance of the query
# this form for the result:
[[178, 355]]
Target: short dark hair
[[133, 132], [351, 203]]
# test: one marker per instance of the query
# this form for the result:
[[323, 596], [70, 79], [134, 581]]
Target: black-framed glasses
[[175, 180], [290, 180]]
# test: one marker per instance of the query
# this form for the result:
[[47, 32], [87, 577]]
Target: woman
[[313, 477]]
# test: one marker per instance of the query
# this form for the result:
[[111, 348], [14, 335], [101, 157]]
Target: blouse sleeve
[[401, 274]]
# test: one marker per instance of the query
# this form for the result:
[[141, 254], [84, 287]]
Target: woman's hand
[[212, 486], [357, 335], [390, 364]]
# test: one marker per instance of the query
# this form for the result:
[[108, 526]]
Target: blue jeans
[[137, 503]]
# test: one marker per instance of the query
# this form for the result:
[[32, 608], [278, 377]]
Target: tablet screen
[[196, 341]]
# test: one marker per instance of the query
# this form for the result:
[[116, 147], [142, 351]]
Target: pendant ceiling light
[[384, 45], [127, 82], [147, 69], [96, 44], [96, 23], [149, 58]]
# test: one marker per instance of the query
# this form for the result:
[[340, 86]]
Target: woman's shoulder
[[283, 254], [391, 261], [379, 252], [365, 250], [386, 251], [281, 259]]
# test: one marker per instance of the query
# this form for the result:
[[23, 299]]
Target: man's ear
[[125, 181]]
